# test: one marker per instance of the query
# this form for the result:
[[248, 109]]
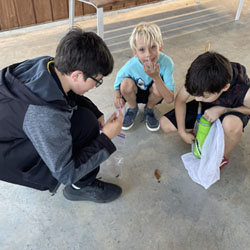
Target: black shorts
[[191, 114], [142, 95]]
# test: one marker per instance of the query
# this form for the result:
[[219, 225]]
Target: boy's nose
[[148, 52]]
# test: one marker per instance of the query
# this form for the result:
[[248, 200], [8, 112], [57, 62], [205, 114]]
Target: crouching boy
[[146, 78], [222, 87], [49, 132]]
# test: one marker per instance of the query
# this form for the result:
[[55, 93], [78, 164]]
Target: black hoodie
[[35, 138]]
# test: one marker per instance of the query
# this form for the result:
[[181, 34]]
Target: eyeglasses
[[98, 82]]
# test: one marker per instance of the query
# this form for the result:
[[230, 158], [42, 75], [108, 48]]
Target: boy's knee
[[232, 125], [154, 91], [84, 126], [166, 125], [128, 86]]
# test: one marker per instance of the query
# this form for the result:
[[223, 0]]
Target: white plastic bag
[[206, 171], [112, 167]]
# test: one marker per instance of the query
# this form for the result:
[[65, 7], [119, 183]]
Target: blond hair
[[149, 31]]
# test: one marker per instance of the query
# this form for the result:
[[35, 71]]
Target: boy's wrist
[[181, 131], [118, 94], [157, 78]]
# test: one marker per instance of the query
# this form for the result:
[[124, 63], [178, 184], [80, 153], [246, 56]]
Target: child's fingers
[[157, 67], [112, 117], [150, 67], [117, 102], [121, 102], [147, 66], [120, 115], [192, 138]]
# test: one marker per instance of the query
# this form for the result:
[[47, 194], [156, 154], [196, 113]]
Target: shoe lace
[[131, 112], [149, 113]]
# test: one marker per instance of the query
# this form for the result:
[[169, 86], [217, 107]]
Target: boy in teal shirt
[[146, 78]]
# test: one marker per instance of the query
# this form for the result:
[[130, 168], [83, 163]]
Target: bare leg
[[154, 97], [232, 126], [167, 126], [129, 89]]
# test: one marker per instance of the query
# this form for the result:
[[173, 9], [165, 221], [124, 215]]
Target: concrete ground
[[173, 214]]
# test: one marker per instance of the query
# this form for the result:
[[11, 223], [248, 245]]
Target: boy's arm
[[180, 113], [242, 109], [215, 112], [118, 100], [49, 131], [153, 70], [167, 94], [246, 102]]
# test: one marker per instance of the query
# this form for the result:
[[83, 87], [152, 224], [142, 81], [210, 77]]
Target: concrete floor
[[174, 214]]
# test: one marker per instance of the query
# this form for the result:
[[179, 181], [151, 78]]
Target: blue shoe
[[152, 123], [129, 118]]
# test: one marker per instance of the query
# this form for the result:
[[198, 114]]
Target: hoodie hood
[[30, 81]]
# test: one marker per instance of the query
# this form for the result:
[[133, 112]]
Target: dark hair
[[209, 72], [84, 51]]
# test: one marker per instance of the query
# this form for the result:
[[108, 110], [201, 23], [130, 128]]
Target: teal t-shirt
[[134, 69]]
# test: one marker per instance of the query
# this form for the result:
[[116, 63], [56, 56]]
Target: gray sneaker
[[129, 118], [151, 121], [98, 191]]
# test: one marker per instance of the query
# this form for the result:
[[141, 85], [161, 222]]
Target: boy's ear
[[160, 48], [226, 87], [134, 53], [75, 75]]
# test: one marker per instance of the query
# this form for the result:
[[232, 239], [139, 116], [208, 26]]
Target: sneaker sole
[[152, 129], [127, 128], [72, 197]]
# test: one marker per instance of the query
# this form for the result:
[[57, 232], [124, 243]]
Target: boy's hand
[[152, 69], [119, 102], [101, 121], [187, 137], [113, 126], [212, 114]]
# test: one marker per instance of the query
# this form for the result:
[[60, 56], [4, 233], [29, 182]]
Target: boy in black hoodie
[[223, 90], [49, 132]]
